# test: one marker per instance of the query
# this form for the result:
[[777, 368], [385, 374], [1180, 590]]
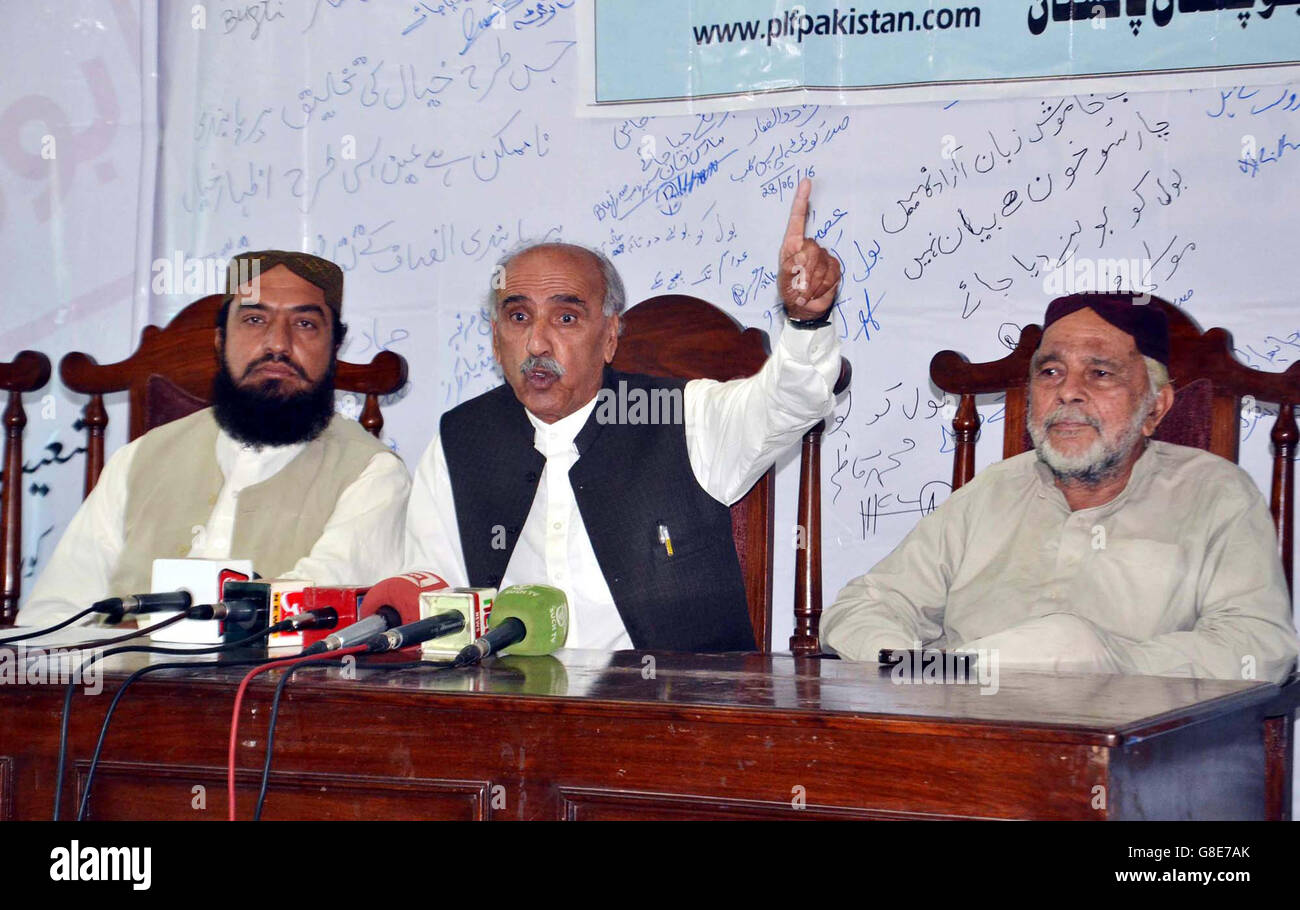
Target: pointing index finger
[[794, 229]]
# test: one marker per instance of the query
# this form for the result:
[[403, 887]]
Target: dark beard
[[255, 416]]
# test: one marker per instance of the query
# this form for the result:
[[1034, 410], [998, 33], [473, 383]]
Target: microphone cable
[[112, 707], [54, 628], [94, 608], [239, 701], [146, 630], [281, 626], [279, 691], [321, 660], [108, 716]]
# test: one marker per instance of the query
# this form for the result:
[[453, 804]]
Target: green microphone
[[527, 619]]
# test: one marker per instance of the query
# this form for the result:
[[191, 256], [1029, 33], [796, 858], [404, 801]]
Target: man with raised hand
[[533, 482], [269, 473], [1101, 551]]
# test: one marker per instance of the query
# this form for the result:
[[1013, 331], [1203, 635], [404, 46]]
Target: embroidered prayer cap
[[1126, 311], [321, 272]]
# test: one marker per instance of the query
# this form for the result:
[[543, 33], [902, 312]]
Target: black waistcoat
[[629, 479]]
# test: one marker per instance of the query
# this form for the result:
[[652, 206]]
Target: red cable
[[239, 699]]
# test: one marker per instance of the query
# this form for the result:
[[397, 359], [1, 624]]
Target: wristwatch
[[823, 319]]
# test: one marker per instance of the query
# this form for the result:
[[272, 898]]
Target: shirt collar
[[553, 438], [230, 452]]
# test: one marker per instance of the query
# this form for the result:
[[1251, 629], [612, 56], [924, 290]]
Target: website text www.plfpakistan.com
[[797, 25]]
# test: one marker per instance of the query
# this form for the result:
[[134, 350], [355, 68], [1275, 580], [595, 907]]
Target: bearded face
[[277, 360], [1091, 405]]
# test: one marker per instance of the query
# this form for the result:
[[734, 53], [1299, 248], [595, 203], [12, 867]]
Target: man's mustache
[[545, 364], [1073, 415], [274, 358]]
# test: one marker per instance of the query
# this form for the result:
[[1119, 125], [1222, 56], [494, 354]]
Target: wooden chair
[[1209, 384], [27, 372], [170, 376], [688, 338]]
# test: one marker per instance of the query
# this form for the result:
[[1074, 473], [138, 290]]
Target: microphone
[[243, 611], [401, 593], [320, 618], [533, 617], [117, 607], [235, 611], [402, 596], [413, 633], [377, 623], [204, 580], [282, 600]]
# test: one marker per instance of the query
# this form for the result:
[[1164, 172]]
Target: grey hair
[[1157, 373], [615, 296]]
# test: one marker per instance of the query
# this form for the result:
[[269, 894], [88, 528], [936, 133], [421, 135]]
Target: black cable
[[100, 642], [133, 649], [275, 713], [136, 633], [54, 628], [279, 691], [112, 707]]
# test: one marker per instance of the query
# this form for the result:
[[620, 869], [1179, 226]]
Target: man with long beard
[[269, 472], [1100, 551]]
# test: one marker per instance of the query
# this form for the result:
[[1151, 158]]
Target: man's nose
[[276, 338], [539, 339], [1072, 388]]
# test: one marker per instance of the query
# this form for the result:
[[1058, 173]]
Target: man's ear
[[611, 338], [216, 342], [1164, 401]]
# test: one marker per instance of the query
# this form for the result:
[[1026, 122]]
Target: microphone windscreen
[[402, 593], [542, 609], [474, 604], [204, 579]]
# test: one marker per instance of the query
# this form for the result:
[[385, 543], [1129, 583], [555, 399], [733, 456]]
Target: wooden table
[[630, 735]]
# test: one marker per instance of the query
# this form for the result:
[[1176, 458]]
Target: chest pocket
[[1137, 588]]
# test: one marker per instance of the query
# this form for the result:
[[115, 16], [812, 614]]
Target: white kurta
[[734, 432], [361, 542]]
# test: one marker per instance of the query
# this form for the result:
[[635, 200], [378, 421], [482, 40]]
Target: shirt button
[[558, 525]]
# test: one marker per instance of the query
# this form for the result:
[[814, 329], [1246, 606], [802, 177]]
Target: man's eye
[[568, 318], [516, 316]]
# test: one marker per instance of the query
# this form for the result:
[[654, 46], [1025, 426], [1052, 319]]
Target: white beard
[[1100, 460]]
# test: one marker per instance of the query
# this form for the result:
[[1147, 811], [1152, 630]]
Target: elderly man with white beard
[[1102, 551]]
